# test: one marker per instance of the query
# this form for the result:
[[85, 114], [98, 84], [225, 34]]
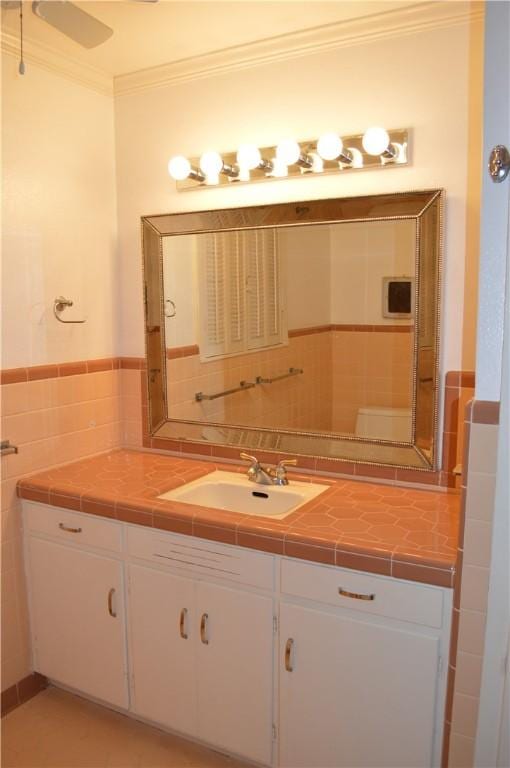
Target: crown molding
[[379, 26], [53, 61]]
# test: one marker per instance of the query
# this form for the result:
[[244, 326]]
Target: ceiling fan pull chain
[[21, 68]]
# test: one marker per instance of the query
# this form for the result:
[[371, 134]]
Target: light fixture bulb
[[211, 163], [329, 146], [248, 157], [288, 151], [279, 169], [357, 157], [211, 179], [179, 167], [244, 173], [375, 140]]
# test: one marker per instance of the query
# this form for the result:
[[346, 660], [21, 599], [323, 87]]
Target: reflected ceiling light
[[377, 148], [376, 141], [179, 168], [289, 152]]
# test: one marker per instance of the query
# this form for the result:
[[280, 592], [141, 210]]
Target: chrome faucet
[[268, 475]]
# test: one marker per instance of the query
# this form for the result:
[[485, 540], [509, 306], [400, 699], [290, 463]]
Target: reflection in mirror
[[302, 328], [319, 318]]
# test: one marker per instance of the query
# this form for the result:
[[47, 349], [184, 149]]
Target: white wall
[[180, 286], [308, 275], [419, 81], [495, 207], [361, 255], [59, 218]]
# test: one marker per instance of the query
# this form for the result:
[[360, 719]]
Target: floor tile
[[56, 729]]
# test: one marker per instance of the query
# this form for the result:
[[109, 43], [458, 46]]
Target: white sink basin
[[234, 492]]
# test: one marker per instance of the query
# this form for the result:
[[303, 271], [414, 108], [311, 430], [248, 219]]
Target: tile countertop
[[386, 529]]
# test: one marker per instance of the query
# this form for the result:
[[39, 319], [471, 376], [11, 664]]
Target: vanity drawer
[[73, 527], [375, 595], [187, 553]]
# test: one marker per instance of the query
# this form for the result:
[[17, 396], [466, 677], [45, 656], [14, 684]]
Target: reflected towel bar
[[242, 385], [290, 372]]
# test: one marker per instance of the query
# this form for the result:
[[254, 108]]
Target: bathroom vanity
[[321, 650]]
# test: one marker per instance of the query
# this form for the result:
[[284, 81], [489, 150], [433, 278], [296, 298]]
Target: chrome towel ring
[[59, 305]]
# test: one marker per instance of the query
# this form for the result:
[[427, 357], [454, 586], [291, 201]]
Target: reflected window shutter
[[273, 320], [255, 290], [240, 292], [212, 269], [236, 291], [264, 289]]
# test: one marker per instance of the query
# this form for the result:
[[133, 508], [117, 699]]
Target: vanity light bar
[[330, 153]]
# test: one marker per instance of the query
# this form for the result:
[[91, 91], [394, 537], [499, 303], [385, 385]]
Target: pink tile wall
[[471, 592], [131, 407], [52, 421], [369, 368]]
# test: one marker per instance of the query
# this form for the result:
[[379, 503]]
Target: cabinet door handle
[[203, 629], [289, 647], [355, 595], [182, 621], [112, 613], [69, 530]]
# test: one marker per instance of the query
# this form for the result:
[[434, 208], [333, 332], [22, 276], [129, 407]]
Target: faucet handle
[[247, 457], [254, 469], [280, 473], [286, 463]]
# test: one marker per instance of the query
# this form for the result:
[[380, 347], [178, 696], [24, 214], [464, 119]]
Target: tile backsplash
[[52, 421]]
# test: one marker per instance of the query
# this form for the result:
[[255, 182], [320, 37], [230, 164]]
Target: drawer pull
[[112, 613], [203, 629], [289, 645], [69, 530], [182, 621], [355, 595]]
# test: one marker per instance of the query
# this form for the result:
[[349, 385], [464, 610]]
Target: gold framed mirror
[[307, 328]]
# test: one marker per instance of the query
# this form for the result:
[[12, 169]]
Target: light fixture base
[[352, 159]]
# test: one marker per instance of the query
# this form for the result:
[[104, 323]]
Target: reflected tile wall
[[297, 402], [370, 369], [344, 370]]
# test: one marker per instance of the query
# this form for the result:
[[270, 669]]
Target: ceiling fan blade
[[73, 22]]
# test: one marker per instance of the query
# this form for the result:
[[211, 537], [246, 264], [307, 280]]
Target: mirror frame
[[425, 207]]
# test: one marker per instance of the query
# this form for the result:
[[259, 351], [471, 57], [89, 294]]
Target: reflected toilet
[[384, 423]]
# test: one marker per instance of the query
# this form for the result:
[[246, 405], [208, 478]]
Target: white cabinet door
[[78, 620], [234, 667], [360, 693], [162, 633]]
